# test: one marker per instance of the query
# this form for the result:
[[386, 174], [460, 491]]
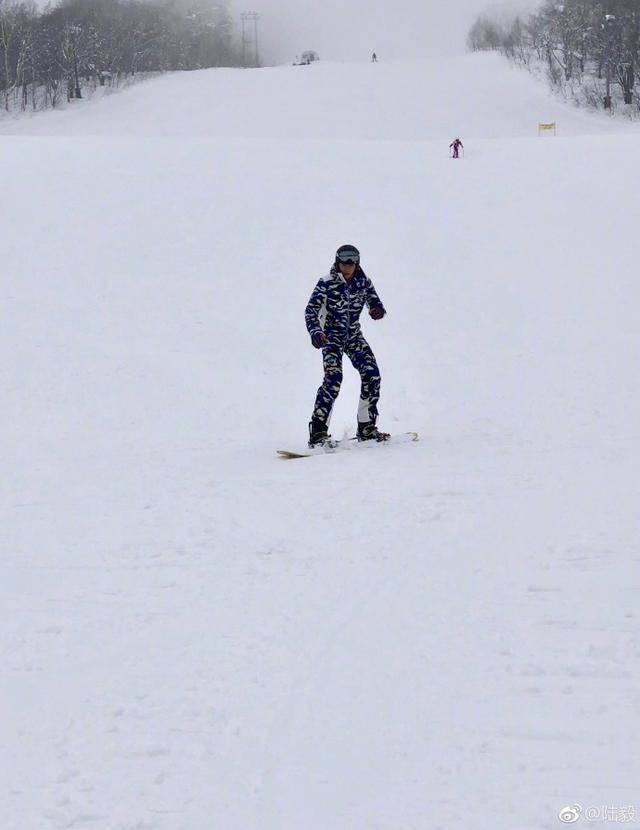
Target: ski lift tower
[[247, 17]]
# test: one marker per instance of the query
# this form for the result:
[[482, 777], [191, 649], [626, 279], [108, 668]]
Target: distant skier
[[456, 145], [374, 58], [331, 316]]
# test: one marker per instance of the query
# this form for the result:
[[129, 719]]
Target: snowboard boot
[[318, 434], [368, 431]]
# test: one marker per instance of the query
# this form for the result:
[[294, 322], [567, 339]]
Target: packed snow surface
[[198, 635]]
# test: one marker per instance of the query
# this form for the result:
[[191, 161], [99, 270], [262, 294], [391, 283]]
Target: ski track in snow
[[198, 635]]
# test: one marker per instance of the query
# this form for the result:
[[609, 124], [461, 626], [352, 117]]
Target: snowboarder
[[456, 144], [331, 316], [374, 58]]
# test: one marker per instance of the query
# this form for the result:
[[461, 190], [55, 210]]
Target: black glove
[[377, 312], [319, 339]]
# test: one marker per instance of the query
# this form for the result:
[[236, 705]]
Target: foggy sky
[[352, 29]]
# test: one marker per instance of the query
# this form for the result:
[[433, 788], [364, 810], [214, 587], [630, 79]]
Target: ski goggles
[[348, 257]]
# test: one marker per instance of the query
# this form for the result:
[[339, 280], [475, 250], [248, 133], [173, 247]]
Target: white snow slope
[[197, 635]]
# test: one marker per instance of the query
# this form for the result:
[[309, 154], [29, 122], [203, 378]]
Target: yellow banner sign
[[551, 126]]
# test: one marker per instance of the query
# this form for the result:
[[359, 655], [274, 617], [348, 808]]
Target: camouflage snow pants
[[363, 360]]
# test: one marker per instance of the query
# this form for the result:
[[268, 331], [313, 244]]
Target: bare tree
[[589, 46]]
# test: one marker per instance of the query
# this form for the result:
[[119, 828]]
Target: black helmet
[[348, 255]]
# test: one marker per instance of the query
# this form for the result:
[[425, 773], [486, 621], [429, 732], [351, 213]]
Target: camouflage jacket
[[335, 306]]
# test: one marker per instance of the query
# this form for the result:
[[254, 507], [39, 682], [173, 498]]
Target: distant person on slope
[[456, 144], [374, 58], [331, 316]]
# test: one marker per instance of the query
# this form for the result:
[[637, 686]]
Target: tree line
[[589, 48], [63, 51]]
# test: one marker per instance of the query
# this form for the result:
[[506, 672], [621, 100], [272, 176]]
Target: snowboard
[[347, 444]]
